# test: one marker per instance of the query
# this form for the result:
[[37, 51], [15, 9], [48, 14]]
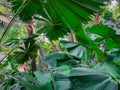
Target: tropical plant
[[90, 63]]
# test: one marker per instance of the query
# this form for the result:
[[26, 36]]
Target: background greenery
[[75, 45]]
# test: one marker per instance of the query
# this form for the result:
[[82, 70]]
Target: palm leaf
[[90, 79], [41, 81], [54, 30], [69, 16], [56, 59], [106, 33], [76, 49], [27, 51]]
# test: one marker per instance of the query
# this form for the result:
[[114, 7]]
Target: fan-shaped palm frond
[[28, 51], [70, 13]]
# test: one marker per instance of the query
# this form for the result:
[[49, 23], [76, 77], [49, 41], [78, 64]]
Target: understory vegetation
[[59, 45]]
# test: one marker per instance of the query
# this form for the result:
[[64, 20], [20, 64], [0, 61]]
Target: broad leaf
[[56, 59], [111, 44], [76, 49], [71, 14], [62, 82], [107, 33], [54, 30], [31, 8], [71, 18], [110, 69], [35, 83], [91, 79], [86, 41], [102, 30]]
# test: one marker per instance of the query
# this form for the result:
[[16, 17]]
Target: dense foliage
[[59, 45]]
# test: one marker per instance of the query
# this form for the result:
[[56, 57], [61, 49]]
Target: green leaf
[[27, 51], [62, 81], [43, 77], [32, 8], [111, 44], [102, 30], [56, 59], [76, 49], [116, 60], [31, 79], [13, 42], [73, 19], [6, 85], [54, 30], [78, 11], [35, 83], [107, 33], [86, 41], [110, 69], [90, 79]]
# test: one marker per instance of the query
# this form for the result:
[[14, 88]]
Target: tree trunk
[[33, 63], [97, 21], [56, 49], [30, 27], [30, 31], [72, 37]]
